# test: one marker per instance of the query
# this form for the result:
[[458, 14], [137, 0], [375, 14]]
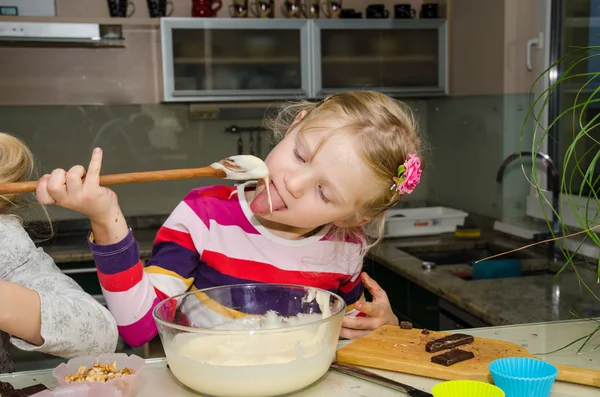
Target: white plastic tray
[[422, 221]]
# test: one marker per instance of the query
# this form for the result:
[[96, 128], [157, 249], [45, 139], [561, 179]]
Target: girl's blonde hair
[[387, 133], [16, 165]]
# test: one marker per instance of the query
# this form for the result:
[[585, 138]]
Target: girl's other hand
[[85, 195], [378, 312]]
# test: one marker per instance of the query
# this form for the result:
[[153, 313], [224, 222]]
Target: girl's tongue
[[260, 203]]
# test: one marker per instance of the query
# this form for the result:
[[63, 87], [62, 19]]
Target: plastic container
[[125, 384], [496, 268], [422, 221], [466, 388], [250, 340], [523, 377], [82, 390]]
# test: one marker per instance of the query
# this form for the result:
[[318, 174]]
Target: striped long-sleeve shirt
[[212, 238]]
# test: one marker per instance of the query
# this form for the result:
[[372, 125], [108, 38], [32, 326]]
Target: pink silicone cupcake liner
[[125, 384], [82, 390]]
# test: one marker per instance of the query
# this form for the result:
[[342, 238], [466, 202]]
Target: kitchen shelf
[[70, 43], [99, 21], [236, 61], [586, 22], [378, 59], [576, 89], [20, 33]]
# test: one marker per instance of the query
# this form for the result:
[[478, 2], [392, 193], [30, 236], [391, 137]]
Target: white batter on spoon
[[254, 168], [258, 364]]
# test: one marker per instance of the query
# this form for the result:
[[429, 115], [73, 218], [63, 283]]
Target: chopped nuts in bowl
[[118, 370], [98, 373]]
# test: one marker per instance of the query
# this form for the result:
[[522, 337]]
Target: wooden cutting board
[[400, 350]]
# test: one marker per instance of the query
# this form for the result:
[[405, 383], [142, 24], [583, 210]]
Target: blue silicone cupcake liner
[[523, 377]]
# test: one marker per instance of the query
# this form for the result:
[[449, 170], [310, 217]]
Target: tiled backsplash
[[138, 138], [470, 137]]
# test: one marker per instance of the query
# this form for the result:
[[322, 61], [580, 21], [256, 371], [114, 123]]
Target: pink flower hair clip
[[409, 175]]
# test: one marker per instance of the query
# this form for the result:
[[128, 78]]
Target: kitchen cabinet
[[411, 302], [216, 59], [208, 59], [396, 57]]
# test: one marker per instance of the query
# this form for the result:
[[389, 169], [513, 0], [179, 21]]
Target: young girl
[[41, 309], [340, 165]]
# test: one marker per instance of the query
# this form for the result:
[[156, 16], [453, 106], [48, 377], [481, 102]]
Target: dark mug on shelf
[[160, 8], [430, 11], [263, 8], [404, 11], [350, 13], [313, 8], [377, 11], [121, 8], [239, 9], [292, 9], [206, 8], [332, 8]]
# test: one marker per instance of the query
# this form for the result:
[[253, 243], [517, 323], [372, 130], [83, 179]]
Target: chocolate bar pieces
[[31, 390], [5, 386], [452, 357], [405, 325], [7, 390], [448, 342]]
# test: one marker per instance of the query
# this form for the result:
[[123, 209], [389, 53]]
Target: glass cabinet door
[[400, 57], [230, 59], [577, 45]]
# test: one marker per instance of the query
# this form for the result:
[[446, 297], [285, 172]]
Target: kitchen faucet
[[552, 256]]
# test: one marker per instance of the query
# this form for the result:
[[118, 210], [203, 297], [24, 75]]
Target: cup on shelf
[[332, 8], [263, 8], [239, 9], [430, 11], [350, 13], [292, 9], [377, 11], [206, 8], [121, 8], [160, 8], [404, 11], [313, 8]]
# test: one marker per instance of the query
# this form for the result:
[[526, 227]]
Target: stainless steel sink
[[468, 276], [456, 257]]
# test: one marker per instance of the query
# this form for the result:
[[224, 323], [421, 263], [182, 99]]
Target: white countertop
[[157, 381]]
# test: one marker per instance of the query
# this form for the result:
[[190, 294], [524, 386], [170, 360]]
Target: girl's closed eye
[[298, 156], [322, 194]]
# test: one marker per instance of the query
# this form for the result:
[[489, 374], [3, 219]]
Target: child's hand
[[86, 196], [379, 312]]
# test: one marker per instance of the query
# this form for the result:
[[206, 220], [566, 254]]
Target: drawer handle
[[80, 270]]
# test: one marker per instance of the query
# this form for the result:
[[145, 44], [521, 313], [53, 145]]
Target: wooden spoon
[[241, 167]]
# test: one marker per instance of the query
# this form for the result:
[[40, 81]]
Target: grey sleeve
[[73, 323]]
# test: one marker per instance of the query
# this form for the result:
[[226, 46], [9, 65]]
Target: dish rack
[[422, 221]]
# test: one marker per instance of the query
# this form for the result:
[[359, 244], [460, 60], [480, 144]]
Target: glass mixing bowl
[[250, 340]]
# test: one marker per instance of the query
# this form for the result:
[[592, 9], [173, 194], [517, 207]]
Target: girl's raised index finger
[[92, 177]]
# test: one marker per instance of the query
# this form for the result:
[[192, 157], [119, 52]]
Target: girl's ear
[[299, 117], [353, 222]]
